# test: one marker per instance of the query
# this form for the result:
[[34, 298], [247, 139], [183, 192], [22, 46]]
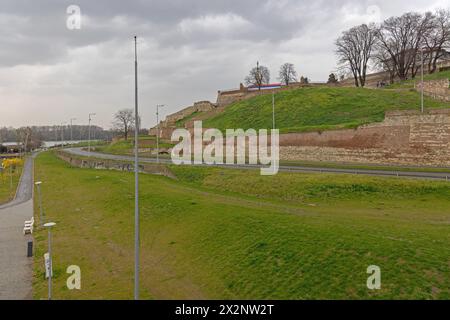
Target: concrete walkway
[[15, 268]]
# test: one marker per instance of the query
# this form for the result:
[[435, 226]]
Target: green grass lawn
[[361, 166], [118, 147], [126, 147], [93, 143], [7, 192], [231, 234], [318, 109], [181, 123]]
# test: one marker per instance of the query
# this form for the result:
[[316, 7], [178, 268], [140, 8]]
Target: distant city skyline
[[187, 51]]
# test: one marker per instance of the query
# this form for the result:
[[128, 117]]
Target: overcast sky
[[188, 49]]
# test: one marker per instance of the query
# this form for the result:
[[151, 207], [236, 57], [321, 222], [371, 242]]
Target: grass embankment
[[409, 84], [93, 143], [227, 234], [8, 189], [318, 109], [181, 123], [360, 166], [126, 147]]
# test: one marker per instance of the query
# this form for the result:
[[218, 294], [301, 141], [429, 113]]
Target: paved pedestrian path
[[15, 268]]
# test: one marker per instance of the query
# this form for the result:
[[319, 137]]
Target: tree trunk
[[356, 81]]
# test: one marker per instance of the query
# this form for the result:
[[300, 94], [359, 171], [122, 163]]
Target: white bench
[[28, 226]]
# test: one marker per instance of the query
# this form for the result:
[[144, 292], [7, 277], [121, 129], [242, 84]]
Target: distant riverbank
[[49, 144]]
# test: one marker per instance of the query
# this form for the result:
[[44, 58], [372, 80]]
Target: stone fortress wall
[[227, 97], [437, 89], [403, 138], [167, 126]]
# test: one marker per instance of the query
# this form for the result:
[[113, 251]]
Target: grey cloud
[[92, 68]]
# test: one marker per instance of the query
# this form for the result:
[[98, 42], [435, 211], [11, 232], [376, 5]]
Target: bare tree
[[348, 57], [287, 74], [354, 50], [401, 39], [25, 138], [382, 61], [124, 121], [258, 76], [437, 38]]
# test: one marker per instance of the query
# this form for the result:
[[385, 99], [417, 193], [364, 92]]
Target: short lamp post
[[10, 178], [89, 133], [71, 127], [49, 226], [41, 210], [63, 126], [157, 134]]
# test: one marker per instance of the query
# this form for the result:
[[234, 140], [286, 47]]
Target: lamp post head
[[49, 224], [38, 183]]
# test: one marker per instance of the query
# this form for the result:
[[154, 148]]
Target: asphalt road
[[15, 267], [374, 172]]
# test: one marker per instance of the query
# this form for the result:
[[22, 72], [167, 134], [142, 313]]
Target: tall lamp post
[[273, 111], [49, 226], [136, 177], [89, 132], [157, 126], [71, 126], [421, 91], [62, 133]]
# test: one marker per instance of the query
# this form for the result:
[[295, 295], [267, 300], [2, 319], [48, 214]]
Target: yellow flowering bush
[[13, 162]]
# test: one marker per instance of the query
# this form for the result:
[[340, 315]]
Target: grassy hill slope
[[311, 109], [409, 84]]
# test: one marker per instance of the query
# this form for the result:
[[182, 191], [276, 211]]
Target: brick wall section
[[369, 156], [404, 137], [225, 98], [201, 106], [167, 126], [363, 137], [437, 89]]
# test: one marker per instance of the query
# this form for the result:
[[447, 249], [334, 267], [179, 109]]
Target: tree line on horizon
[[260, 75], [395, 46], [33, 136]]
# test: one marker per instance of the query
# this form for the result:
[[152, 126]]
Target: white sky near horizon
[[188, 49]]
